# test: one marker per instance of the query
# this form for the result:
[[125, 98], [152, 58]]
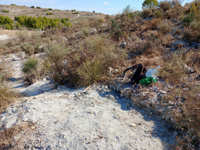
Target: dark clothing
[[138, 74]]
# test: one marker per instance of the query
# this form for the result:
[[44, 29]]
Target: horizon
[[109, 7]]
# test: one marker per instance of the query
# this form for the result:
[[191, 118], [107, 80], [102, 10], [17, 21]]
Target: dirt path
[[96, 118]]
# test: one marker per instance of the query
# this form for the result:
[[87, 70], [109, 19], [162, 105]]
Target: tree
[[150, 4]]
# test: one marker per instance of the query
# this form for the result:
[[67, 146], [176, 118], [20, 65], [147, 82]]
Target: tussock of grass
[[7, 97]]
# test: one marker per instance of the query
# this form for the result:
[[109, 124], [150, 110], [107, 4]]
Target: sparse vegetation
[[83, 54], [49, 13], [7, 97], [30, 70], [5, 11]]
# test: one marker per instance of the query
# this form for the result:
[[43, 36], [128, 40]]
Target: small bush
[[8, 26], [56, 56], [38, 7], [146, 13], [188, 19], [5, 11], [165, 5], [173, 70], [13, 4], [159, 13], [76, 13], [30, 66], [6, 97], [49, 13], [165, 27], [32, 6], [28, 48], [50, 9], [192, 33]]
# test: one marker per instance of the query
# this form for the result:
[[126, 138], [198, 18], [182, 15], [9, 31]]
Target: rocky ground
[[92, 118]]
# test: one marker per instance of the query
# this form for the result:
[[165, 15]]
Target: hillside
[[15, 10], [77, 62]]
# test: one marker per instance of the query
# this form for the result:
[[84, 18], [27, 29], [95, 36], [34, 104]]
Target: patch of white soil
[[77, 120], [4, 37]]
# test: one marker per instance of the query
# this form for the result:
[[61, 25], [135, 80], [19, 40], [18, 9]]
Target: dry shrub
[[87, 63], [22, 35], [7, 140], [187, 115], [95, 22], [173, 70], [152, 24], [7, 97], [146, 13], [165, 26], [148, 61], [166, 39], [193, 59], [192, 33], [176, 11], [56, 62], [28, 48], [99, 55], [165, 5]]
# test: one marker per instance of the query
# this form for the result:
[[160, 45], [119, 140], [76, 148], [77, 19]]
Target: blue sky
[[111, 7]]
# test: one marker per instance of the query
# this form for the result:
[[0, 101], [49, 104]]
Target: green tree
[[150, 4]]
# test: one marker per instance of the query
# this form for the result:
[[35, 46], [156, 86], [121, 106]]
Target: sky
[[111, 7]]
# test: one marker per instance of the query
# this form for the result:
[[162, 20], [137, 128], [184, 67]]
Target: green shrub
[[38, 7], [5, 11], [188, 19], [49, 13], [32, 6], [8, 26], [149, 4], [30, 66], [42, 22], [50, 9], [13, 4], [76, 13], [30, 69]]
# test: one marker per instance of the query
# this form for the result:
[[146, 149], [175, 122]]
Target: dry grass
[[27, 11], [7, 97], [7, 140], [165, 26], [173, 70]]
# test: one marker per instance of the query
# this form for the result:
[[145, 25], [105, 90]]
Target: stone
[[133, 125], [189, 69], [163, 92], [123, 45], [178, 44], [198, 77], [189, 79]]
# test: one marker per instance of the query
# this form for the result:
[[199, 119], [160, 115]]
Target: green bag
[[147, 80]]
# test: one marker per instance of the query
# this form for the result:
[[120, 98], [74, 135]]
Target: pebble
[[133, 125]]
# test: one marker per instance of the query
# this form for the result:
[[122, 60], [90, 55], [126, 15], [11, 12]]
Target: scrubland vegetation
[[80, 53]]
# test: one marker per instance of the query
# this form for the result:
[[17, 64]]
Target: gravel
[[96, 118]]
